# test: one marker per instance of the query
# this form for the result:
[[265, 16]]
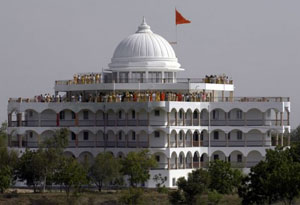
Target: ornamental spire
[[144, 27]]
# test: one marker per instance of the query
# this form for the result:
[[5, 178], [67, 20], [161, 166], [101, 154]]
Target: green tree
[[224, 179], [71, 174], [275, 179], [137, 165], [105, 169], [198, 181], [30, 168]]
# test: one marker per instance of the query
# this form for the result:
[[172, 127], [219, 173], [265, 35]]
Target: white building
[[140, 103]]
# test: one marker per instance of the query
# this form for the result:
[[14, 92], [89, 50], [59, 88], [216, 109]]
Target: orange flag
[[180, 19]]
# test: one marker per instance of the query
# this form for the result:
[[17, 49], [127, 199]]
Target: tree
[[30, 168], [224, 179], [198, 181], [275, 179], [71, 174], [105, 169], [137, 166]]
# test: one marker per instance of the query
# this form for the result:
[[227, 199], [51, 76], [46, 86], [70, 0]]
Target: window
[[133, 135], [215, 114], [180, 114], [168, 77], [123, 77], [120, 114], [216, 156], [157, 158], [173, 181], [120, 135], [73, 115], [195, 115], [156, 113], [216, 135], [239, 158], [62, 115], [133, 114], [156, 134], [85, 135], [180, 135], [73, 136], [85, 115], [155, 77], [239, 114], [138, 77], [239, 135]]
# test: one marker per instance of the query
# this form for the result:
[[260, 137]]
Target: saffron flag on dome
[[180, 19]]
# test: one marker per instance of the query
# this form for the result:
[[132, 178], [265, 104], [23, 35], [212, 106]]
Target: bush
[[132, 196], [214, 197], [176, 197], [162, 190]]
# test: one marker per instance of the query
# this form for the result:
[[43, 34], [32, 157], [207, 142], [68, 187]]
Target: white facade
[[140, 103]]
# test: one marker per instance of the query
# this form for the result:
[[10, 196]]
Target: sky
[[256, 42]]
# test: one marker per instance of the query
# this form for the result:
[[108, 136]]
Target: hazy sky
[[256, 42]]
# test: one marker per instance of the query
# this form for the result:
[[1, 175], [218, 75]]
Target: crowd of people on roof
[[124, 97], [86, 78], [221, 79]]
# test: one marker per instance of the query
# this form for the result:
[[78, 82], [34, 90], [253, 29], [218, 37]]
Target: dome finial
[[144, 27]]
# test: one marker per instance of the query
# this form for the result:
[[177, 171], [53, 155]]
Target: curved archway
[[86, 157], [204, 117], [204, 160], [236, 117], [181, 161], [86, 139], [196, 117], [32, 139], [86, 118], [48, 118], [236, 159], [161, 159], [218, 155], [189, 160], [254, 117], [253, 158], [196, 160], [173, 160], [31, 118]]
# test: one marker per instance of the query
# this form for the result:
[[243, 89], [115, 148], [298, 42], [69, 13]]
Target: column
[[281, 118], [199, 139], [20, 140], [281, 139], [168, 117], [184, 163], [116, 140], [192, 160], [263, 140], [148, 139], [183, 118], [126, 138], [192, 140], [39, 119], [184, 142], [245, 136], [76, 140], [176, 138], [9, 117], [226, 136], [169, 140], [138, 140], [199, 117], [176, 118], [76, 119], [176, 162], [276, 119], [19, 119], [226, 118], [169, 167], [192, 119], [288, 118], [57, 119], [277, 136], [199, 161], [223, 95], [245, 118]]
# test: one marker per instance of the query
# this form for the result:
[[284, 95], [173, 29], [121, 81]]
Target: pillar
[[169, 167], [176, 138], [288, 118], [183, 118], [76, 119], [176, 118], [199, 117], [9, 117], [57, 119], [169, 140], [126, 118], [184, 142], [263, 140], [192, 160], [20, 140], [19, 119], [192, 119], [168, 117], [176, 162], [245, 119], [148, 140], [226, 118], [126, 138], [226, 136], [76, 140], [245, 136], [276, 118], [39, 119], [223, 95], [184, 162], [116, 140], [281, 139], [281, 118], [277, 139]]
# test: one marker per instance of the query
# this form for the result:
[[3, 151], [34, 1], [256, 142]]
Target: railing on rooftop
[[145, 80]]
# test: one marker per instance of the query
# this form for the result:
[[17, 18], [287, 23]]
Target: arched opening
[[189, 161], [255, 138], [254, 117], [162, 160], [110, 140], [173, 137], [31, 118], [204, 117], [121, 155], [121, 116], [132, 138], [204, 160], [204, 138], [32, 139], [189, 139], [121, 137], [72, 139], [181, 116], [100, 139], [111, 118], [236, 159], [236, 138], [158, 139], [189, 118], [218, 155], [67, 118], [48, 118], [86, 139], [218, 138], [173, 161], [217, 117], [143, 139], [181, 138], [173, 117], [196, 117], [86, 158], [100, 118], [86, 118], [196, 139], [196, 160], [236, 117], [181, 161], [253, 158]]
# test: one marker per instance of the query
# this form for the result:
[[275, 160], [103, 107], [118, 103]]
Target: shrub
[[131, 196]]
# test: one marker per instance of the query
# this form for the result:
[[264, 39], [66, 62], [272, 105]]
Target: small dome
[[144, 49]]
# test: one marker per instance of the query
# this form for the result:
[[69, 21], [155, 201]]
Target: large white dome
[[144, 50]]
